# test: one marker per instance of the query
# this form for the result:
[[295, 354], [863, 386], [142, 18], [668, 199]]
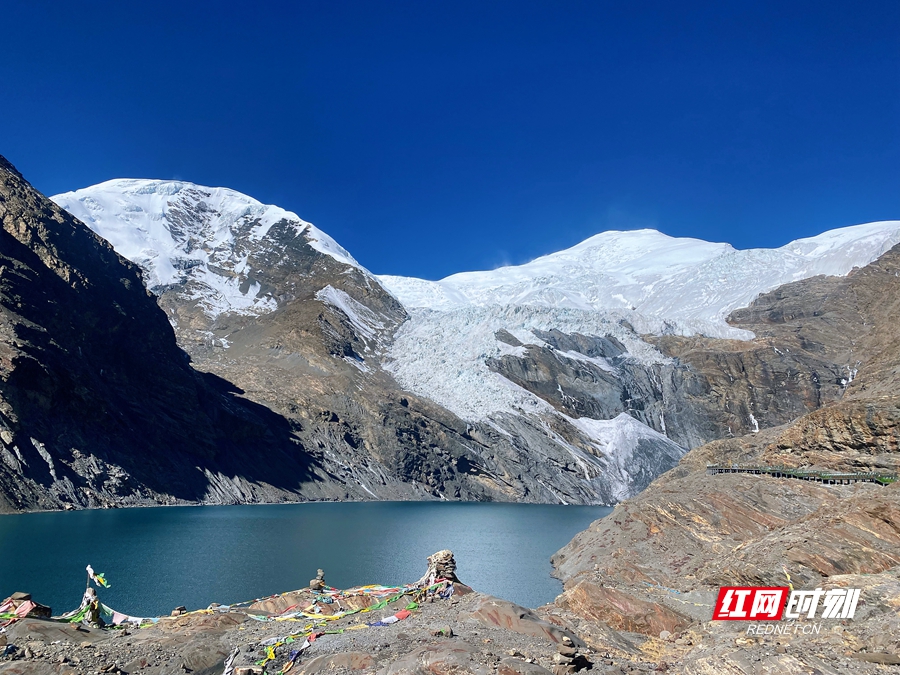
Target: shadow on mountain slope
[[98, 404]]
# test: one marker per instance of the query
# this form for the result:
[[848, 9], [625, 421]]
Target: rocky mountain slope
[[657, 561], [561, 380], [98, 405]]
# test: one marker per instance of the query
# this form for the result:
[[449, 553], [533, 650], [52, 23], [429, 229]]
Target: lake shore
[[465, 632]]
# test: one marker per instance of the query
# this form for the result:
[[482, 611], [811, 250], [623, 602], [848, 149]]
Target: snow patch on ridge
[[618, 441], [323, 243], [363, 319], [220, 294]]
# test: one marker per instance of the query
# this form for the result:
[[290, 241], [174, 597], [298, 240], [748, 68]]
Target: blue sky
[[436, 137]]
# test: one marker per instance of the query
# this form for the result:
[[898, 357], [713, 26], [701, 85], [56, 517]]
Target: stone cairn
[[92, 618], [441, 565], [318, 584], [568, 660]]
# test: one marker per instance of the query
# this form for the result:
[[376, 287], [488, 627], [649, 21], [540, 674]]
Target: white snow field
[[689, 282], [442, 354], [617, 440], [658, 284]]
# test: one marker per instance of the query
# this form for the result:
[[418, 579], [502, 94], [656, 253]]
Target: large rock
[[621, 611], [446, 657], [26, 630], [344, 661], [511, 666], [203, 624], [499, 613], [36, 668]]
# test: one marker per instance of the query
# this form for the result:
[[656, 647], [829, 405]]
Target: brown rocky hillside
[[657, 561]]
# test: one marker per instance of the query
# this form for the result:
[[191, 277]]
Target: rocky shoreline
[[436, 625]]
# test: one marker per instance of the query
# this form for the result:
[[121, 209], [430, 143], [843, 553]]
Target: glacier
[[619, 283]]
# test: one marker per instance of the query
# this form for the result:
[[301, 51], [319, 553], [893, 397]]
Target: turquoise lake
[[159, 558]]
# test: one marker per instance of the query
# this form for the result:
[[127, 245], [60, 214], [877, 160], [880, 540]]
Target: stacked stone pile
[[568, 659], [318, 584], [441, 565]]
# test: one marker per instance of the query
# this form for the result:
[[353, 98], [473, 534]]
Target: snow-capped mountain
[[181, 233], [623, 284], [689, 283], [98, 405], [548, 380]]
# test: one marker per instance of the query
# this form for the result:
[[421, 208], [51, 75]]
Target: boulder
[[45, 631], [344, 661], [36, 668], [448, 657], [511, 666], [621, 610], [499, 613], [885, 659], [202, 624]]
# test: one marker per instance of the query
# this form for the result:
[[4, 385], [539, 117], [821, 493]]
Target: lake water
[[159, 558]]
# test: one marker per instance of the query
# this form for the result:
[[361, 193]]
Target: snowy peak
[[201, 237], [615, 285], [690, 282], [636, 251]]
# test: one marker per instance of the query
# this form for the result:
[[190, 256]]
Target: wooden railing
[[827, 477]]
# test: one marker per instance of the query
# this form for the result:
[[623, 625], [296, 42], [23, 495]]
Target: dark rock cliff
[[98, 405]]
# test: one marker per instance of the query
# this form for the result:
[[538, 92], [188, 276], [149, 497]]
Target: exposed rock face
[[583, 376], [503, 614], [690, 533], [98, 405], [622, 611]]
